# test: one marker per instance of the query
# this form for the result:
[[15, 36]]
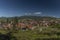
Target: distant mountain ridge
[[31, 17]]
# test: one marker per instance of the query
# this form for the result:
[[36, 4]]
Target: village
[[28, 23]]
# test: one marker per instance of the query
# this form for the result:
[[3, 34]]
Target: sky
[[10, 8]]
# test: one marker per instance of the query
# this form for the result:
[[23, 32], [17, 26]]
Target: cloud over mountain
[[34, 13], [38, 13]]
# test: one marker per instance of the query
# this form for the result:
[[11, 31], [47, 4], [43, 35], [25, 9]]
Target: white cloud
[[38, 13], [28, 13], [35, 13], [54, 16]]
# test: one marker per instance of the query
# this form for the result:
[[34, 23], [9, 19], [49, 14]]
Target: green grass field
[[46, 34]]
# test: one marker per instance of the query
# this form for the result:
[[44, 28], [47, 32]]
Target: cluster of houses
[[28, 24]]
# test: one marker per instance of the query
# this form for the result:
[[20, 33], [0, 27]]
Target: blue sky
[[21, 7]]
